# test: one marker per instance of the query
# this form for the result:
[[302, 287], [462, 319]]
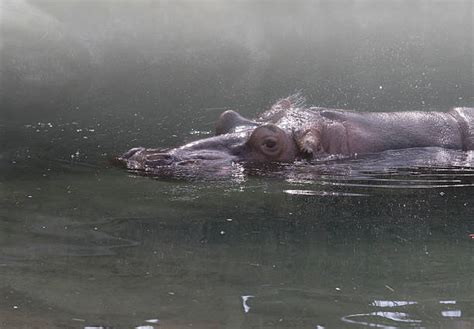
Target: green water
[[381, 241], [98, 247]]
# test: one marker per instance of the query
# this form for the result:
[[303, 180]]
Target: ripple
[[323, 193], [418, 168], [405, 185], [365, 319]]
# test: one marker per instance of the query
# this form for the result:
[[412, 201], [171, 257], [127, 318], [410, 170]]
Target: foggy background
[[142, 71]]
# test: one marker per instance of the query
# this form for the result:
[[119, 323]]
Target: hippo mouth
[[166, 161]]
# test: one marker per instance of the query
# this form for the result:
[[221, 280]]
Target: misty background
[[154, 72]]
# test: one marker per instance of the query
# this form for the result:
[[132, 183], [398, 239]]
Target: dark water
[[381, 241]]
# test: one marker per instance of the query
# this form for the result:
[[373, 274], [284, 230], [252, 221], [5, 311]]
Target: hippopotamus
[[290, 131]]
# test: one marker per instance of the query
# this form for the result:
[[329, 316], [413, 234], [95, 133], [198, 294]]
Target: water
[[378, 241]]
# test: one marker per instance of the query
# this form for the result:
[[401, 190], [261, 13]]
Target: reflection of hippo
[[288, 132]]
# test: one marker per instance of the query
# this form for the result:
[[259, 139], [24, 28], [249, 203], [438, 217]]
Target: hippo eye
[[270, 146], [270, 143]]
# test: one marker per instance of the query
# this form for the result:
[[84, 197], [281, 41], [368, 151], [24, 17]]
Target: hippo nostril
[[159, 159]]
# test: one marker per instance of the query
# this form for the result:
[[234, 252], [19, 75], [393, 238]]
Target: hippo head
[[237, 140]]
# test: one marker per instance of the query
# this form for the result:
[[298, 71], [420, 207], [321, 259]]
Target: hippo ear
[[309, 142], [231, 121]]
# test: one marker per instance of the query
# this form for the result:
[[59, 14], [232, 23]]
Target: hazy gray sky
[[175, 54]]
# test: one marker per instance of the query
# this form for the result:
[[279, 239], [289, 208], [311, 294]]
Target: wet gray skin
[[288, 132], [265, 143]]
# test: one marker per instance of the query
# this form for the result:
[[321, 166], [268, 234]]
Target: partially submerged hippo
[[288, 131]]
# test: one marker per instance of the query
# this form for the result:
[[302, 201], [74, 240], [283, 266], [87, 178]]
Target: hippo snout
[[123, 160], [141, 158]]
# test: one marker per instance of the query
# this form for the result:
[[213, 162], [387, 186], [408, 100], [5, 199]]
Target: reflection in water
[[378, 319], [395, 316], [447, 302], [391, 303], [244, 303], [451, 313], [322, 193]]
